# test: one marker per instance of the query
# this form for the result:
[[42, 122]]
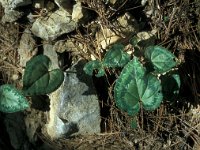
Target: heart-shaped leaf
[[11, 100], [38, 80], [126, 88], [134, 87], [116, 57], [35, 69], [161, 59], [92, 65], [150, 92]]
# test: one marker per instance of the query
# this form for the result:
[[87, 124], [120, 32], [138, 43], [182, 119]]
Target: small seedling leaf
[[161, 59], [134, 41], [116, 57], [94, 65], [11, 100], [134, 123]]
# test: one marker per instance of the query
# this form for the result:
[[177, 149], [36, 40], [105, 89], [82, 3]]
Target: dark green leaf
[[150, 92], [134, 123], [116, 57], [38, 80], [171, 84], [126, 88], [134, 87], [134, 41], [161, 59], [11, 100], [35, 68], [94, 65]]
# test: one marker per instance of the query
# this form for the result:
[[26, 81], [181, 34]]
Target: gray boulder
[[74, 108], [53, 25]]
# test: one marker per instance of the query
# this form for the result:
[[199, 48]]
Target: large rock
[[27, 47], [53, 25], [74, 106]]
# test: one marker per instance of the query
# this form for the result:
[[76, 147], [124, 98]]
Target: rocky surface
[[50, 27], [74, 106], [125, 24], [10, 6], [34, 121], [27, 47], [49, 51], [54, 25], [11, 15]]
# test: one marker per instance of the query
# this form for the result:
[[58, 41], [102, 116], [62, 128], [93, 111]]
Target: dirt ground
[[172, 126]]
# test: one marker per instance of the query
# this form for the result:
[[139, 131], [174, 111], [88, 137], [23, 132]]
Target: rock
[[126, 25], [77, 12], [53, 25], [34, 121], [69, 45], [27, 47], [60, 46], [11, 14], [49, 51], [143, 2], [12, 4], [111, 1], [146, 38], [74, 107], [65, 4], [38, 4]]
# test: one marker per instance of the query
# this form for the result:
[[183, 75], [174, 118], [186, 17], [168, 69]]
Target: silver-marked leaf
[[161, 59], [150, 92], [94, 65], [126, 88], [116, 57], [38, 80], [11, 100], [134, 87]]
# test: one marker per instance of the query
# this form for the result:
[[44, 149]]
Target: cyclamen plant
[[37, 80], [139, 87]]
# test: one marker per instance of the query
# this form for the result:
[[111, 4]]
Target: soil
[[172, 126]]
